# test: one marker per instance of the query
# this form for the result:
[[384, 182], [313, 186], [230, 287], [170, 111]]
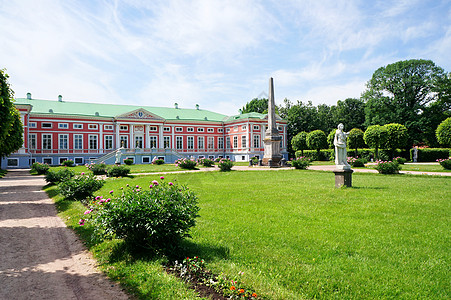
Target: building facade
[[55, 131]]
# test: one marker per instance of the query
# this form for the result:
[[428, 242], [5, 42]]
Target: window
[[257, 127], [235, 128], [200, 129], [13, 162], [46, 125], [179, 142], [63, 125], [256, 141], [210, 130], [220, 130], [167, 129], [62, 159], [200, 142], [123, 127], [243, 141], [146, 159], [212, 157], [153, 128], [63, 142], [31, 161], [93, 142], [153, 142], [191, 142], [138, 142], [77, 126], [243, 128], [78, 141], [280, 128], [166, 142], [281, 142], [78, 160], [211, 141], [32, 141], [190, 129], [178, 129], [108, 127], [47, 160], [47, 141], [227, 129], [228, 142], [201, 156], [235, 142], [32, 125], [220, 142], [124, 141], [92, 126], [108, 142]]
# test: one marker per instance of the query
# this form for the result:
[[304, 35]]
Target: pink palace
[[57, 130]]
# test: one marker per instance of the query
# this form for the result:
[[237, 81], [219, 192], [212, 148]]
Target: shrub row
[[431, 154]]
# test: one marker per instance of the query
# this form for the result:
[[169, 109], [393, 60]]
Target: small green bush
[[430, 154], [80, 187], [157, 218], [205, 162], [97, 169], [185, 163], [157, 161], [117, 171], [39, 168], [445, 163], [301, 163], [323, 155], [356, 162], [400, 160], [225, 165], [254, 160], [387, 167], [58, 176], [128, 161], [68, 163]]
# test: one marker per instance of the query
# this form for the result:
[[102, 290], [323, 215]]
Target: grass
[[423, 167]]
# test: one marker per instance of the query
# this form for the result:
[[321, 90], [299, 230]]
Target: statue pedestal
[[343, 177]]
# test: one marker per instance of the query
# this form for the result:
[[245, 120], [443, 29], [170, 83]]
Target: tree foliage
[[444, 133], [396, 136], [355, 139], [317, 140], [375, 137], [350, 112], [330, 138], [11, 129], [299, 142], [256, 105]]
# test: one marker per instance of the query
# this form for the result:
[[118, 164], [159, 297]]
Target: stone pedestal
[[343, 178]]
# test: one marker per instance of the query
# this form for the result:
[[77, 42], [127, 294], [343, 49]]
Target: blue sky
[[219, 54]]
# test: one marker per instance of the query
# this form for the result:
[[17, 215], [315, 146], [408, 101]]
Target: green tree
[[317, 140], [444, 133], [350, 112], [402, 92], [299, 142], [375, 137], [330, 138], [256, 105], [397, 137], [11, 129], [355, 139]]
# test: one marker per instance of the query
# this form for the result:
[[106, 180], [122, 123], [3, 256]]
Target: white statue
[[118, 156], [341, 157]]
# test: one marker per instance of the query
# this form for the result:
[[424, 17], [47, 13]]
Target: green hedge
[[368, 154], [324, 155], [431, 154]]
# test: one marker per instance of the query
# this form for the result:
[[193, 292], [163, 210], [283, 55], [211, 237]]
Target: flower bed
[[387, 167], [445, 163]]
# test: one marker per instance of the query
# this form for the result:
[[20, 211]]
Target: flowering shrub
[[97, 169], [117, 171], [158, 217], [80, 187], [400, 160], [128, 161], [356, 162], [301, 163], [387, 167], [445, 163], [185, 163], [225, 165], [68, 163], [254, 160], [39, 168], [156, 161], [58, 175], [205, 162]]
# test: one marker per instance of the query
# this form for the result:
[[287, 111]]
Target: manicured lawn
[[295, 236], [148, 168], [424, 168]]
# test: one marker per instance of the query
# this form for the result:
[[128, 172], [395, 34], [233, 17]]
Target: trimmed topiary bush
[[128, 161], [301, 163], [184, 163], [157, 161], [430, 154], [445, 163], [205, 162], [97, 169], [225, 165], [400, 160], [443, 133], [117, 171], [58, 176], [68, 163], [80, 187], [387, 167], [356, 162], [39, 168], [156, 218]]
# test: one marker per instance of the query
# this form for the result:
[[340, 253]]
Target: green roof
[[114, 110], [251, 115]]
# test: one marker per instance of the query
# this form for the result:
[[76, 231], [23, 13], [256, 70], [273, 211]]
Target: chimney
[[29, 96], [60, 98], [176, 105], [197, 106]]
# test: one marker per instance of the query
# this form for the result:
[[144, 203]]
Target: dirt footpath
[[40, 258]]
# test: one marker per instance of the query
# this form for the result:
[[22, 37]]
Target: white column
[[101, 138], [147, 135], [160, 136], [173, 138], [132, 141]]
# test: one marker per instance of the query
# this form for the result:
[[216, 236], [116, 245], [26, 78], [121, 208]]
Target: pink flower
[[81, 222], [108, 200], [128, 185], [161, 177], [155, 182], [98, 197], [170, 183], [111, 191], [137, 186], [88, 212], [82, 173], [150, 186]]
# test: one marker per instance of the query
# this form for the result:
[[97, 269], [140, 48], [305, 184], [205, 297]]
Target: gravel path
[[40, 258]]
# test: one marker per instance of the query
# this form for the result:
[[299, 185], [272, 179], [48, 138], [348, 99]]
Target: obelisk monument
[[272, 156]]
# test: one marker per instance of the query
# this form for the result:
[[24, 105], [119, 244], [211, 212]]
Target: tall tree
[[401, 92], [299, 142], [444, 133], [350, 112], [375, 137], [355, 139], [256, 105]]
